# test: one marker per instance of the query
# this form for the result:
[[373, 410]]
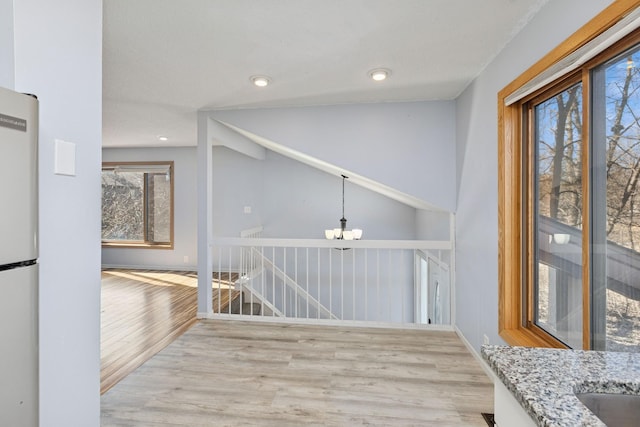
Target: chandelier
[[342, 233]]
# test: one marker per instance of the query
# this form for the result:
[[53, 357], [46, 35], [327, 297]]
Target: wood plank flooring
[[235, 373], [143, 311]]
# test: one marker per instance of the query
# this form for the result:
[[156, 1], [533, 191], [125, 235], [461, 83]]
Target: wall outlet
[[485, 339], [185, 259]]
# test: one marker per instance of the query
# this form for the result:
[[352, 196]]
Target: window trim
[[146, 244], [512, 225]]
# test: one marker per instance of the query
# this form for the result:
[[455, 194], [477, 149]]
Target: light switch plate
[[64, 158]]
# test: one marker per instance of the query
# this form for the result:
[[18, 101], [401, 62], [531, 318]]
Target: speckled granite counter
[[544, 381]]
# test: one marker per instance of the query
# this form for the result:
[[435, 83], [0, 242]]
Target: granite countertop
[[545, 381]]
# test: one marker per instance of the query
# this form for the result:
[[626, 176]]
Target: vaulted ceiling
[[165, 59]]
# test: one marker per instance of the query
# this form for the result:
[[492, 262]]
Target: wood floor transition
[[230, 373], [142, 311]]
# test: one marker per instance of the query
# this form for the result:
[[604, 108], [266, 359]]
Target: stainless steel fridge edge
[[19, 375]]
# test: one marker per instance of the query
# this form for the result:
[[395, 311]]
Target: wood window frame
[[513, 226], [146, 244]]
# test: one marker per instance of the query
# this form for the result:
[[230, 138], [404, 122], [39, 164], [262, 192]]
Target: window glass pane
[[616, 225], [137, 205], [160, 207], [558, 216], [122, 206]]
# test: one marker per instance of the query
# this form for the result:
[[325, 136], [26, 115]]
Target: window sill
[[137, 245], [526, 338]]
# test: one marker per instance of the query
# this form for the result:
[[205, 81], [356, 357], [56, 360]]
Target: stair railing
[[299, 292], [317, 279]]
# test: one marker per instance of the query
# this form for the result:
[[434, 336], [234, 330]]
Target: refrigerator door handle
[[5, 267]]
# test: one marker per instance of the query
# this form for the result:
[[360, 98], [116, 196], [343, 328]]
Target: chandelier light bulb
[[342, 233]]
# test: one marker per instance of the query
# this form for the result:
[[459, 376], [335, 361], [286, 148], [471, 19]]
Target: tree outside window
[[137, 204]]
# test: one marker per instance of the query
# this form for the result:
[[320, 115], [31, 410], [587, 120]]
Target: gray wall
[[293, 200], [185, 211], [301, 201], [237, 183], [477, 214], [58, 57], [432, 225], [6, 44], [407, 146]]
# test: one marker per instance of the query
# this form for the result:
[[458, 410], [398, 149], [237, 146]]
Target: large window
[[570, 198], [137, 204]]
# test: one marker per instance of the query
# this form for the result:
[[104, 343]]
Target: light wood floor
[[143, 311], [235, 373]]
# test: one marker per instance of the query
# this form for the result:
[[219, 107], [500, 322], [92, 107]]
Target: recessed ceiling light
[[379, 74], [163, 138], [260, 81]]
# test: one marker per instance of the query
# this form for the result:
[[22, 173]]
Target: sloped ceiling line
[[238, 142]]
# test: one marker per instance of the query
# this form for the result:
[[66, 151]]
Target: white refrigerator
[[18, 259]]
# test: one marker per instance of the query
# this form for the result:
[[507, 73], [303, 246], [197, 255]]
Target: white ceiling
[[165, 59]]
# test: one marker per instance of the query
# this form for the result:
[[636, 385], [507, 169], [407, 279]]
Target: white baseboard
[[153, 267], [476, 355], [326, 322]]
